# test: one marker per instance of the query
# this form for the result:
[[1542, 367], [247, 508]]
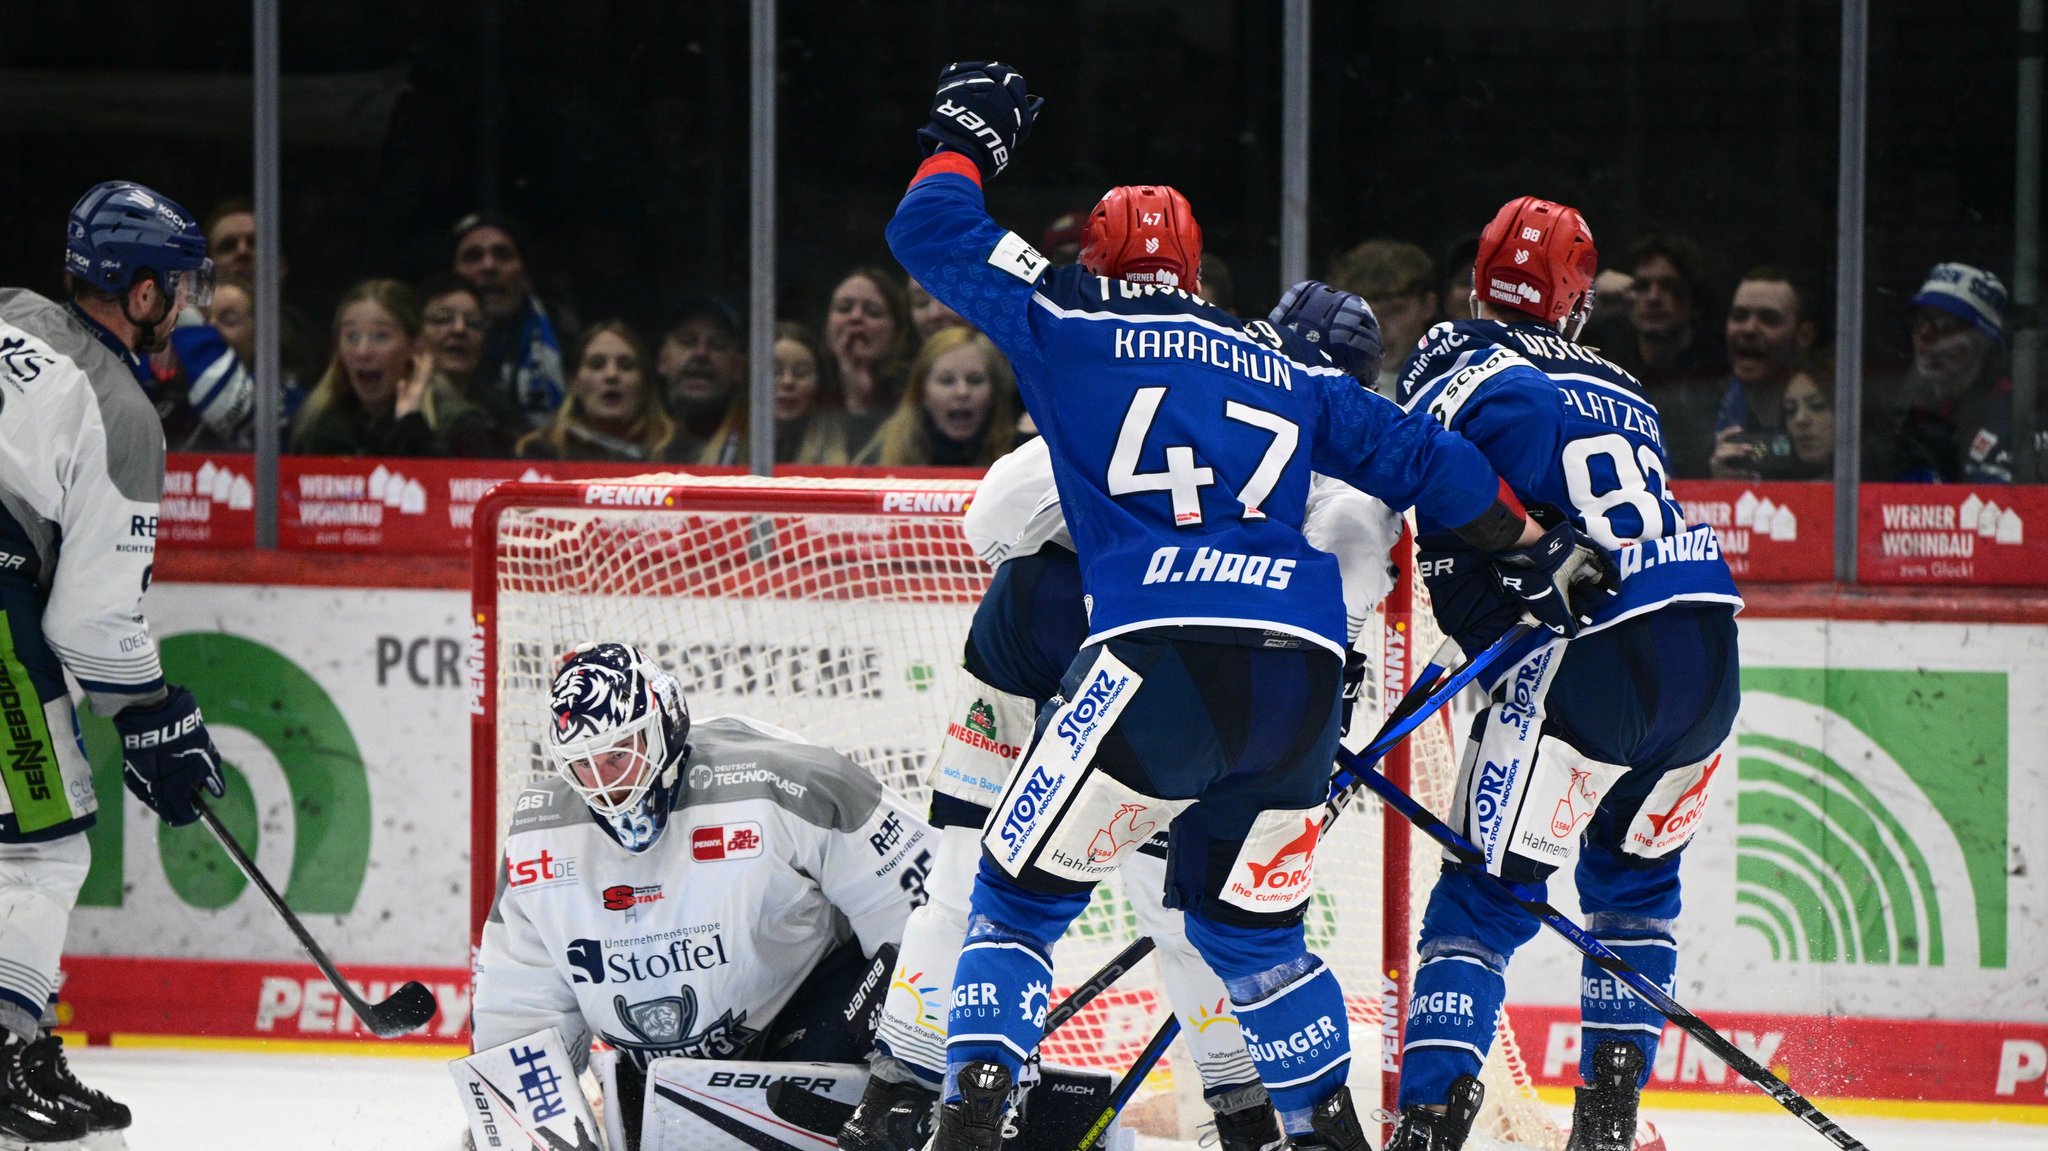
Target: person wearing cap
[[523, 346], [82, 466], [702, 364], [1956, 425]]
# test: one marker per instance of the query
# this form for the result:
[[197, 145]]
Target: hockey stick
[[408, 1008], [1415, 708], [1367, 775]]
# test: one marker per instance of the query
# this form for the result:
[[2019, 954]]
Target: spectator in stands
[[1956, 422], [959, 410], [522, 358], [231, 240], [1397, 279], [928, 315], [381, 395], [452, 329], [868, 332], [809, 427], [1771, 329], [1809, 414], [703, 370], [1455, 303], [1061, 241], [1683, 371], [612, 412], [1215, 284]]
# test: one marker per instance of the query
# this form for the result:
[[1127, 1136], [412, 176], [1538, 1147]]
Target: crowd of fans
[[473, 362]]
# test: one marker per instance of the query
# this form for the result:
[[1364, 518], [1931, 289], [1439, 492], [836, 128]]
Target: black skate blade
[[807, 1109], [406, 1011]]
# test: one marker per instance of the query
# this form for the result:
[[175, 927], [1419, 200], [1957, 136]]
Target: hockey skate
[[1422, 1129], [1254, 1128], [30, 1119], [890, 1117], [1336, 1126], [1604, 1111], [981, 1120]]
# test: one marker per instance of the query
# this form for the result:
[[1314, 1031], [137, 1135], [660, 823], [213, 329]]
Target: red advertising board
[[240, 999], [1953, 534], [209, 501], [1776, 532], [1850, 1057]]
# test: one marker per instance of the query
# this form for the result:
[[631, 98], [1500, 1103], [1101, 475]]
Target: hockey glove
[[982, 112], [1341, 323], [165, 753], [1463, 595], [1561, 579]]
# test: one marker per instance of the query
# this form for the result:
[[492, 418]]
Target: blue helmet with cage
[[121, 230], [618, 733], [1341, 323]]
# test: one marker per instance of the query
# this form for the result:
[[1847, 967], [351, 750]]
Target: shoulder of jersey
[[547, 803], [50, 322], [735, 758]]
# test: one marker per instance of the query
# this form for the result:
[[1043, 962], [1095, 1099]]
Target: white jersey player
[[715, 891], [81, 473], [1024, 634]]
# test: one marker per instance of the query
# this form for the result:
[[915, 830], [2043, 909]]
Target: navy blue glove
[[1463, 595], [982, 112], [1561, 579], [165, 753], [1354, 686], [1339, 322]]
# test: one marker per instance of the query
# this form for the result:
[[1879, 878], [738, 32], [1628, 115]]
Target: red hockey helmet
[[1144, 233], [1538, 257]]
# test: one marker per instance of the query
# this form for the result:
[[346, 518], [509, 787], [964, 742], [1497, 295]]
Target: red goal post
[[837, 608]]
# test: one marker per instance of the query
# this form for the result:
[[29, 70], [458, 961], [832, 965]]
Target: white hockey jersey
[[778, 851], [81, 474], [1016, 511]]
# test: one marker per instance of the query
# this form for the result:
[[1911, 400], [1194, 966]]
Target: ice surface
[[240, 1101]]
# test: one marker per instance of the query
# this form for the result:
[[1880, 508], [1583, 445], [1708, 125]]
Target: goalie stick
[[1364, 774], [405, 1011], [1414, 709]]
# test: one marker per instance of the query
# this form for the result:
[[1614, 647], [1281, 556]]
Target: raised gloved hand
[[166, 753], [1561, 579], [1339, 322], [980, 111]]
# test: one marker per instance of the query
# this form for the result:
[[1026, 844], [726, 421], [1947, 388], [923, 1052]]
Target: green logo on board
[[1871, 816]]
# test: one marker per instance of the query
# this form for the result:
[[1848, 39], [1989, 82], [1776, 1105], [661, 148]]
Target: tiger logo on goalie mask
[[619, 733]]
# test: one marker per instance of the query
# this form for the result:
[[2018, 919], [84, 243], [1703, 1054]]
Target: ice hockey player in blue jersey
[[1207, 692], [1607, 740]]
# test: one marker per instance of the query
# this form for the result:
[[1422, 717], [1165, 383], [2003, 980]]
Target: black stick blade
[[406, 1011]]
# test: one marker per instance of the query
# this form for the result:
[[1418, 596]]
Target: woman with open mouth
[[959, 410]]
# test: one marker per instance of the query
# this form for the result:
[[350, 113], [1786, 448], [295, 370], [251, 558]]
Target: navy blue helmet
[[121, 230], [1340, 323]]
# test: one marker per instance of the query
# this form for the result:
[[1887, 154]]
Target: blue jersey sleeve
[[1406, 459], [943, 236], [1515, 421]]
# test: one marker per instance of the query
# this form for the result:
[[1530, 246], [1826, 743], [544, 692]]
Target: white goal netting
[[838, 608]]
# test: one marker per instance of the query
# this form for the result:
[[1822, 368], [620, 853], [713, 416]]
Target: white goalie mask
[[617, 732]]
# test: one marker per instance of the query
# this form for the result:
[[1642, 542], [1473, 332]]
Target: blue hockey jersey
[[1567, 429], [1181, 437]]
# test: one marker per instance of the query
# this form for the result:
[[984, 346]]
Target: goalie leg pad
[[1290, 1008], [739, 1105], [913, 1029]]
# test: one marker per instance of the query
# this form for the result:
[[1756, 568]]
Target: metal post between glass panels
[[1294, 114], [269, 227], [761, 245], [1849, 283]]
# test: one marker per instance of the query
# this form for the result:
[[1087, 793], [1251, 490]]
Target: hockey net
[[837, 608]]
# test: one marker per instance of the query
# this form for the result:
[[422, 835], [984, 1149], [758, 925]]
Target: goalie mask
[[618, 731]]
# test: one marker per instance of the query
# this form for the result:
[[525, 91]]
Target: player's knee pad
[[1615, 882], [1289, 1006], [1525, 796], [1194, 991], [1063, 823], [1466, 905], [1263, 876], [1452, 1014], [1608, 1010], [1661, 817], [985, 737]]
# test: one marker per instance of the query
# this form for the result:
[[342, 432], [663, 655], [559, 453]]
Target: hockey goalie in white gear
[[760, 929]]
